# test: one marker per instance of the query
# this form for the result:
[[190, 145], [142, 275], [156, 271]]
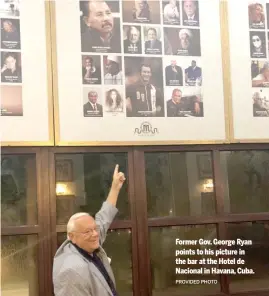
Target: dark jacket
[[92, 42], [90, 112]]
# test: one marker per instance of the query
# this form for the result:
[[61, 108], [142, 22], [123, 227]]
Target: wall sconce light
[[208, 185], [61, 189]]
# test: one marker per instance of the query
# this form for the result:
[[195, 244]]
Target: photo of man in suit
[[173, 74], [81, 266], [100, 31], [92, 108], [193, 75], [152, 44], [132, 44], [190, 13]]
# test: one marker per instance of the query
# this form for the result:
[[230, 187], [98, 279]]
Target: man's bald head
[[82, 231]]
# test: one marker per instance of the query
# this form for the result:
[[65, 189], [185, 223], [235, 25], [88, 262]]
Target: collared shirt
[[113, 79], [93, 106], [193, 73]]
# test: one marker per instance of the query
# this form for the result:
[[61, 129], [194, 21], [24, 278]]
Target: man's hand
[[118, 178]]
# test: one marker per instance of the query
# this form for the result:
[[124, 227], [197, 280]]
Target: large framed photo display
[[26, 102], [249, 56], [135, 72]]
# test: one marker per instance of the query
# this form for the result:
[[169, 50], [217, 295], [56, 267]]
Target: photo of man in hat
[[113, 70]]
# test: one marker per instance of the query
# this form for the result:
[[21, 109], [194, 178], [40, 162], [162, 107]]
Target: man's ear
[[71, 235], [85, 19]]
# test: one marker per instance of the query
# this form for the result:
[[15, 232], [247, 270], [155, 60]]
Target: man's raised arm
[[108, 211]]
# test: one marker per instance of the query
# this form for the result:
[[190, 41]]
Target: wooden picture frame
[[204, 166], [64, 170], [99, 129], [65, 206]]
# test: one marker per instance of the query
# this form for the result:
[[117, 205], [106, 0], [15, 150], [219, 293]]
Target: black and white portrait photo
[[100, 26]]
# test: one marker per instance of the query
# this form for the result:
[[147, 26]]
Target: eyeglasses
[[256, 40], [88, 232]]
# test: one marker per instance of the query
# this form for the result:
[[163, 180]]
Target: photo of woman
[[256, 16], [114, 102]]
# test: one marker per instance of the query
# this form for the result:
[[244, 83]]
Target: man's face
[[7, 26], [100, 17], [193, 64], [146, 74], [10, 63], [174, 63], [256, 40], [92, 96], [134, 35], [151, 35], [85, 234], [189, 8], [88, 63], [177, 97], [185, 41], [112, 67], [258, 11]]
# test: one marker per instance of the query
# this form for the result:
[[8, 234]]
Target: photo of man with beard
[[100, 30], [184, 42], [144, 96]]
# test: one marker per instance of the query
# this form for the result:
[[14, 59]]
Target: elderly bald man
[[81, 266]]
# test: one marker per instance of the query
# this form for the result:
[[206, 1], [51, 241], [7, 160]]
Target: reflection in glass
[[19, 265], [18, 190], [163, 260], [245, 176], [83, 182], [256, 255], [118, 248], [179, 184]]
